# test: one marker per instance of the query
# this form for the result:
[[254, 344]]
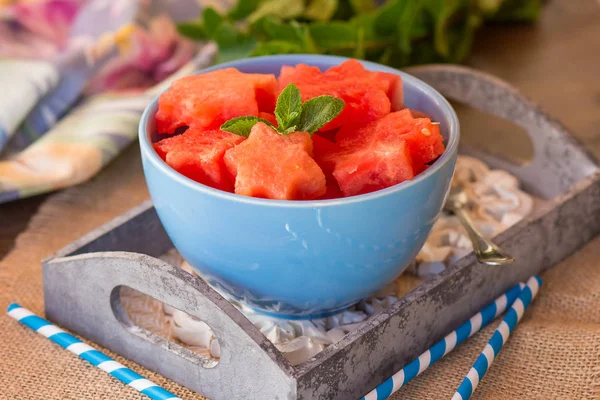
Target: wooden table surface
[[555, 62]]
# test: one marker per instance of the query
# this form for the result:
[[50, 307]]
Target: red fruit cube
[[208, 100], [199, 155], [273, 166]]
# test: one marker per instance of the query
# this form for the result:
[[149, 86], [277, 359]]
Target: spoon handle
[[485, 251]]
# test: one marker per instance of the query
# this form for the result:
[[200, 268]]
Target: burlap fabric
[[553, 354]]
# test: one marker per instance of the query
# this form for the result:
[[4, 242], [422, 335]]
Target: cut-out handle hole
[[499, 137], [152, 320]]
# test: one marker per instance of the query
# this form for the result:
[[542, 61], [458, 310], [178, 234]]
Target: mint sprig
[[288, 107], [291, 114]]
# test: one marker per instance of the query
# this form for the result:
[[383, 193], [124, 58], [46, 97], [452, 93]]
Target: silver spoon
[[485, 251]]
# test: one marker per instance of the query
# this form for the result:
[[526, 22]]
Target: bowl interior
[[417, 95]]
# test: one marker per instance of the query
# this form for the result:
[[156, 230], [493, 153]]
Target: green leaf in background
[[363, 6], [518, 10], [396, 18], [232, 43], [421, 25], [212, 21], [359, 52], [321, 10], [292, 32], [193, 30], [465, 39], [318, 111], [333, 35], [288, 107], [242, 126], [393, 32], [388, 16], [276, 47], [243, 47], [242, 9], [276, 33], [443, 11], [489, 7], [283, 9], [405, 25]]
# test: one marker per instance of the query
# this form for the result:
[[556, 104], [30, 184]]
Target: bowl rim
[[451, 147]]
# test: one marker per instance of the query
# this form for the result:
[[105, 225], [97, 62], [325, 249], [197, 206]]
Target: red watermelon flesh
[[199, 155], [372, 165], [289, 73], [333, 190], [206, 101], [325, 152], [329, 135], [269, 117], [419, 114], [365, 100], [422, 137], [390, 83], [273, 166]]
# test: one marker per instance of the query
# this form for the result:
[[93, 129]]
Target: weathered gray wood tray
[[81, 282]]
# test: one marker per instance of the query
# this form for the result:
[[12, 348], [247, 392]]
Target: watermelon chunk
[[206, 101], [365, 96], [390, 83], [269, 165], [372, 166], [199, 155], [423, 138], [325, 152]]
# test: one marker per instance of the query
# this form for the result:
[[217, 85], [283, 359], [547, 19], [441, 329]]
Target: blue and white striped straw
[[89, 354], [444, 346], [499, 338]]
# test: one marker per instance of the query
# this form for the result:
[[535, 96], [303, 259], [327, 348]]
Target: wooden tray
[[82, 281]]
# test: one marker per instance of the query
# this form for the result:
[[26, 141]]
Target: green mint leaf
[[289, 130], [321, 10], [318, 111], [242, 126], [288, 107]]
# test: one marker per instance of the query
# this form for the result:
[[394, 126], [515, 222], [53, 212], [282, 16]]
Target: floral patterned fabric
[[76, 76]]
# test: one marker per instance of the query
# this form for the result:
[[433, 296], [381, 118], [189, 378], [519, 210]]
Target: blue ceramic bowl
[[302, 259]]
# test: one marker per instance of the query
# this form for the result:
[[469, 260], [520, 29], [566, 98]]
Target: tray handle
[[559, 159], [82, 294]]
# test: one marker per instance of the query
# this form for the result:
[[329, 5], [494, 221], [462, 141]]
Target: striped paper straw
[[444, 346], [89, 354], [500, 336]]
